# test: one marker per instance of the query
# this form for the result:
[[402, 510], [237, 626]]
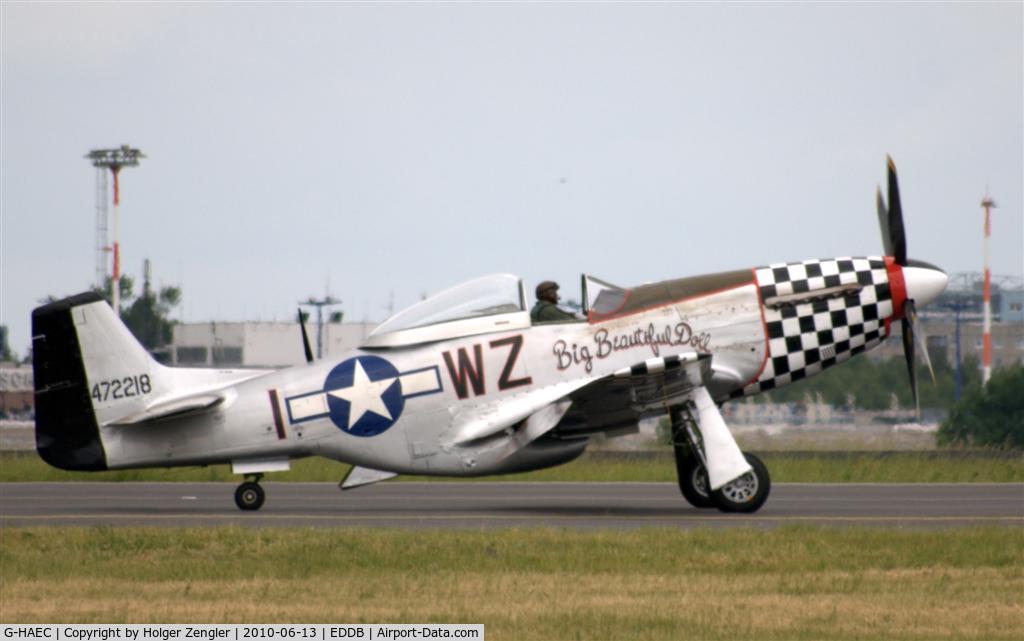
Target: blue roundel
[[364, 395]]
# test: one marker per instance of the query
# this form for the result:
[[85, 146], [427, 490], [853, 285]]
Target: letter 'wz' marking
[[505, 382], [474, 375]]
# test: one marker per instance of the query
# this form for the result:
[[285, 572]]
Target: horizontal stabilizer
[[171, 408]]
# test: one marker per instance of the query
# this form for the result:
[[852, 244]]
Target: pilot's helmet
[[545, 286]]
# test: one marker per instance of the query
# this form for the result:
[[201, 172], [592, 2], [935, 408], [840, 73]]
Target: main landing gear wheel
[[747, 493], [249, 496], [693, 481]]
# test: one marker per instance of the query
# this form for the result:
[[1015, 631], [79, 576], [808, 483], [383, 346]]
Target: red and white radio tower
[[986, 349], [114, 160]]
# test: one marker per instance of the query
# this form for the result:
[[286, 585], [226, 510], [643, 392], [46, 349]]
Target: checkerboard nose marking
[[806, 337]]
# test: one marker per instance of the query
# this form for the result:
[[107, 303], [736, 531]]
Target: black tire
[[249, 496], [747, 493], [693, 480]]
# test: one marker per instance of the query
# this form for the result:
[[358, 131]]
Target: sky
[[381, 152]]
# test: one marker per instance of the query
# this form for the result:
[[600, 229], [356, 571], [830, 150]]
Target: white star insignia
[[364, 396]]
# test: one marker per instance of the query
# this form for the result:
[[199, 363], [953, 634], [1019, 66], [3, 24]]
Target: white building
[[216, 344]]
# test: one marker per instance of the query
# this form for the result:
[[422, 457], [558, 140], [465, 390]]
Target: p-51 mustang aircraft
[[462, 384]]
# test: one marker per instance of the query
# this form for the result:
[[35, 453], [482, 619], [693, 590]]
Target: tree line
[[864, 383]]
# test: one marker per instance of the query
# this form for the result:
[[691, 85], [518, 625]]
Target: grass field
[[866, 467], [786, 583]]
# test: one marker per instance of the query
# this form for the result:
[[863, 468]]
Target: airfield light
[[114, 160]]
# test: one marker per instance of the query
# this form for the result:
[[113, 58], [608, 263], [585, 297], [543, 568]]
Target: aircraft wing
[[588, 405], [654, 386], [609, 404], [517, 414], [622, 399]]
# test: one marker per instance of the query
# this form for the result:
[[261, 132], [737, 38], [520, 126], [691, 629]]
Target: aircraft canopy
[[486, 304]]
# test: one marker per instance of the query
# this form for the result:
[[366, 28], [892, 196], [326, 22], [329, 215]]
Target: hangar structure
[[255, 344]]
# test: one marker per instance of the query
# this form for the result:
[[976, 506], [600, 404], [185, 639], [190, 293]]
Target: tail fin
[[92, 375], [89, 372], [67, 434]]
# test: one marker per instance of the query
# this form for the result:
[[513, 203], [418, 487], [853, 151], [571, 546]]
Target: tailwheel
[[249, 495], [747, 493]]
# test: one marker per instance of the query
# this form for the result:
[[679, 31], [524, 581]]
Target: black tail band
[[67, 435]]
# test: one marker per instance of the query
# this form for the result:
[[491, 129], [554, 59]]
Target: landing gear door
[[592, 289]]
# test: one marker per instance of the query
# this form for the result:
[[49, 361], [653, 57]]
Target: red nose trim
[[897, 286]]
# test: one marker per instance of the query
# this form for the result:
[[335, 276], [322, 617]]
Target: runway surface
[[483, 505]]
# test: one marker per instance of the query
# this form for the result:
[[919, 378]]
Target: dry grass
[[792, 583], [894, 604]]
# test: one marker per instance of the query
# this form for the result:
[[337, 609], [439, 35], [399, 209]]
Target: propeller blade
[[897, 235], [908, 353], [305, 338], [910, 313], [883, 222]]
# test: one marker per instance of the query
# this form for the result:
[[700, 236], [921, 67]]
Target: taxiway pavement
[[484, 505]]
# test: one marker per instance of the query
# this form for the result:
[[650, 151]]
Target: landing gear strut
[[744, 494], [249, 495], [693, 478]]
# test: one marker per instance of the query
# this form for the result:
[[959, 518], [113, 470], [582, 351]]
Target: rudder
[[67, 434]]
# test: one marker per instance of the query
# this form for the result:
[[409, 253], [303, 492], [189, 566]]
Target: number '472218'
[[126, 387]]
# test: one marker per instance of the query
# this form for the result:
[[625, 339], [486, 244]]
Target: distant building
[[1011, 306], [939, 321], [17, 399], [255, 344], [964, 291]]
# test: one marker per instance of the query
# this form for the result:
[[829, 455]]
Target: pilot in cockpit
[[547, 310]]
